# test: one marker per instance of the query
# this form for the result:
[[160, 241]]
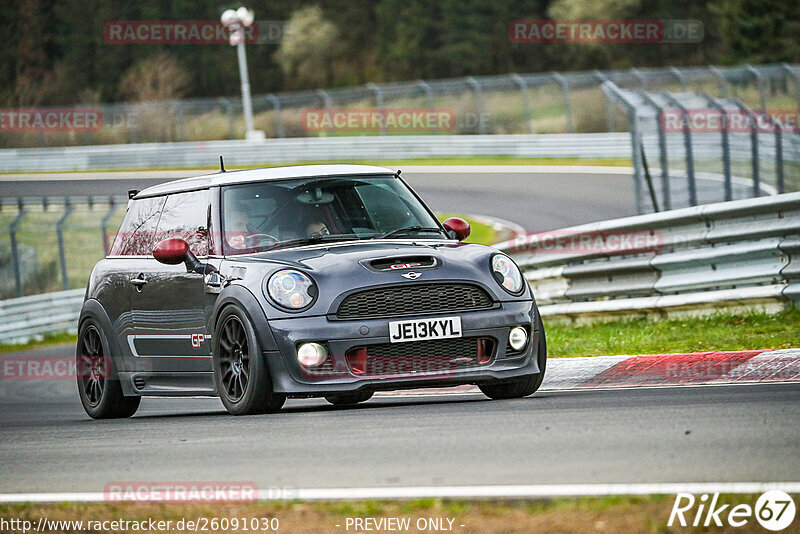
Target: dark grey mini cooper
[[330, 281]]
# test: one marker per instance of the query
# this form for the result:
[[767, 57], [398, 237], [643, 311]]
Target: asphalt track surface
[[742, 433], [535, 199], [736, 433]]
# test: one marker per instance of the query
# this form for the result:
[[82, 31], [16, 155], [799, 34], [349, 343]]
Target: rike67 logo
[[774, 510]]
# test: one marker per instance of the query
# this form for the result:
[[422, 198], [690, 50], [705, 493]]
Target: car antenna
[[398, 172], [221, 165]]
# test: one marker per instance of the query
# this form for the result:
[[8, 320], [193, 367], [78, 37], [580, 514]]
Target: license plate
[[419, 329]]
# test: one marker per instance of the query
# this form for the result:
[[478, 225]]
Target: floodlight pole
[[247, 104], [239, 21]]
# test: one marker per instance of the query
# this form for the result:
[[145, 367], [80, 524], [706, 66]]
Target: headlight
[[507, 273], [291, 289]]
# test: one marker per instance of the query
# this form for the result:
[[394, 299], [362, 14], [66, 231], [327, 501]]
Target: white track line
[[465, 492]]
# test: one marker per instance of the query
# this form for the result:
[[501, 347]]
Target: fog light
[[518, 338], [311, 354]]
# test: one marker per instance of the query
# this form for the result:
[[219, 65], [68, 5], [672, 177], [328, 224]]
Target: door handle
[[139, 281]]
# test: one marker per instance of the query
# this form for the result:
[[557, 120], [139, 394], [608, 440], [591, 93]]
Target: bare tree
[[159, 77], [309, 49]]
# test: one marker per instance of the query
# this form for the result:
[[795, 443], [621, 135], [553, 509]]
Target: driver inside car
[[236, 232], [317, 229]]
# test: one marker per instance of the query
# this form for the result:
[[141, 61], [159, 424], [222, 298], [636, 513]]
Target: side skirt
[[168, 384]]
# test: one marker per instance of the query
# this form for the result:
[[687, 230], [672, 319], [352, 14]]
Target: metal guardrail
[[766, 153], [206, 153], [547, 102], [744, 252], [27, 317]]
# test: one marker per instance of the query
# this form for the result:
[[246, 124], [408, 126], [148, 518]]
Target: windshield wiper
[[407, 229], [311, 240]]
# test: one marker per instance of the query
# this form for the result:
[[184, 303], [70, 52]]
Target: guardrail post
[[429, 97], [12, 230], [104, 224], [526, 105], [479, 101], [180, 128], [795, 78], [636, 143], [601, 77], [723, 82], [778, 156], [68, 209], [133, 128], [426, 88], [276, 106], [687, 145], [87, 133], [681, 78], [726, 147], [662, 151], [564, 83], [762, 97], [379, 103], [753, 147], [327, 103], [639, 76], [229, 111]]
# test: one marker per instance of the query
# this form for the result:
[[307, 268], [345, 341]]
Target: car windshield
[[277, 214]]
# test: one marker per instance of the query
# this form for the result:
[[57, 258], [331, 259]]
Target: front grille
[[413, 300], [417, 357]]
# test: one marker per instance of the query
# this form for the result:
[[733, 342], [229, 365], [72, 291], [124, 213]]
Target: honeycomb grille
[[434, 356], [413, 300]]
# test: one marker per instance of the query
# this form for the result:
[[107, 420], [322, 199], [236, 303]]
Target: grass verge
[[48, 340], [719, 331], [591, 514]]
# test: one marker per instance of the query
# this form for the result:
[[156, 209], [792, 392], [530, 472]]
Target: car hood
[[339, 268]]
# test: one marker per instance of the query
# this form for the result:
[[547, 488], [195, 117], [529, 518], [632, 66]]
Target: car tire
[[343, 399], [240, 372], [526, 385], [98, 382]]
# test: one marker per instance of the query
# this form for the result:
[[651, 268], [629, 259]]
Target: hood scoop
[[402, 263]]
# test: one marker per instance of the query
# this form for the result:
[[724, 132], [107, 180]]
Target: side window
[[137, 233], [185, 215]]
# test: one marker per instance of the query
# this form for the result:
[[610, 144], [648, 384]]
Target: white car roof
[[258, 175]]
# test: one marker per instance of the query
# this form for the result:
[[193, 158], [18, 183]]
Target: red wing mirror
[[458, 228], [171, 251]]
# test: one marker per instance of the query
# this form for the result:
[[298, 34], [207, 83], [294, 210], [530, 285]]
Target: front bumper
[[289, 377]]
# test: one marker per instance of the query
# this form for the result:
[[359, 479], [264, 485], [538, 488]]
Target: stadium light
[[237, 20]]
